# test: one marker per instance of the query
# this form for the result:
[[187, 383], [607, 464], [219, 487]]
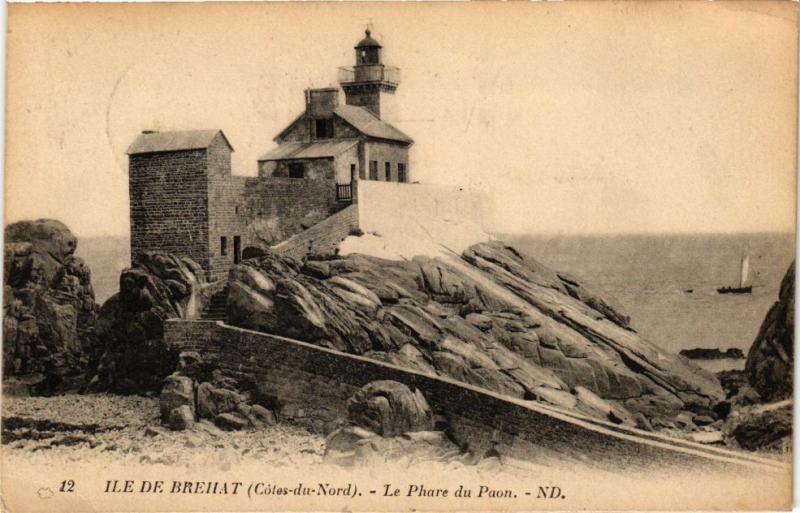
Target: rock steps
[[215, 311]]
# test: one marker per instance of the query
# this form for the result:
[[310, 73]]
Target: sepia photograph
[[401, 256]]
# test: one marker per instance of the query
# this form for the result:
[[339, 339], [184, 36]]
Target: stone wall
[[314, 169], [323, 238], [421, 216], [343, 162], [168, 195], [298, 131], [384, 152], [310, 385], [290, 204], [224, 205], [365, 95], [302, 130]]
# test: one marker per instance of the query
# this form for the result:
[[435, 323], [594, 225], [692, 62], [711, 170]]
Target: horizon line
[[500, 233]]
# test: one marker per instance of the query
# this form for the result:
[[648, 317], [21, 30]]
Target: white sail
[[745, 270]]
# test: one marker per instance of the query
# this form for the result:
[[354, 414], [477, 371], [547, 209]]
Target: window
[[352, 173], [324, 128], [223, 246], [297, 170], [401, 172], [388, 171], [373, 169]]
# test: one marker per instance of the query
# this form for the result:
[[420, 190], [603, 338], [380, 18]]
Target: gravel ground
[[126, 429], [111, 429]]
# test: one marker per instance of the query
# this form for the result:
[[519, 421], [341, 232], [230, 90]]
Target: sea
[[650, 278], [647, 276]]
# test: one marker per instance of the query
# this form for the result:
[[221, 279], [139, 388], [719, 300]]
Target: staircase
[[215, 310]]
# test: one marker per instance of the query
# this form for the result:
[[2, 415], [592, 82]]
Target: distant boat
[[744, 271]]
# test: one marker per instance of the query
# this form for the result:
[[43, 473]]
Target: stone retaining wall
[[324, 237], [310, 385]]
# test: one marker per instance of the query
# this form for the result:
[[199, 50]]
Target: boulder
[[771, 357], [702, 420], [178, 391], [49, 309], [389, 408], [190, 364], [130, 324], [590, 402], [180, 418], [212, 400], [49, 244], [262, 416], [231, 422], [346, 439], [762, 427], [354, 446]]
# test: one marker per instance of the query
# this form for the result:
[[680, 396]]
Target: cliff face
[[771, 357], [752, 424], [491, 317], [131, 323], [49, 310]]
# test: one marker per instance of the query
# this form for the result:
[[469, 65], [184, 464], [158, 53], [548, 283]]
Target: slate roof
[[311, 150], [175, 141], [368, 124]]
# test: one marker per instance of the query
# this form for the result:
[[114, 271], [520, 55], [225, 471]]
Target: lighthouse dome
[[368, 41]]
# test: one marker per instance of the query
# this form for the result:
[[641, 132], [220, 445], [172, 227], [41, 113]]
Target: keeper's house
[[185, 200]]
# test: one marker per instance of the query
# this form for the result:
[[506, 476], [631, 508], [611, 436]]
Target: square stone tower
[[180, 189]]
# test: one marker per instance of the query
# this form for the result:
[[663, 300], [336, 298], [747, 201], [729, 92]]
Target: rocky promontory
[[491, 317], [49, 309], [771, 357], [130, 324], [762, 407]]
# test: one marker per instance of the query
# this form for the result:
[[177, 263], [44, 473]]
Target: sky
[[570, 117]]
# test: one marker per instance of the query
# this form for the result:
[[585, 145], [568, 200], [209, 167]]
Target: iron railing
[[369, 73], [344, 192]]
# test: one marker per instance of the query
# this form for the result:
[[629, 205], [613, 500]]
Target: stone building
[[185, 200], [345, 142], [175, 185]]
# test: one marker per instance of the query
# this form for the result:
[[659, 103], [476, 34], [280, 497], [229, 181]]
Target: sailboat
[[744, 270]]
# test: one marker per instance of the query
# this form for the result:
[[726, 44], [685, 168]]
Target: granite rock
[[493, 318]]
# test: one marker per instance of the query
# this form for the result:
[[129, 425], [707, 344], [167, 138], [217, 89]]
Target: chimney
[[321, 102]]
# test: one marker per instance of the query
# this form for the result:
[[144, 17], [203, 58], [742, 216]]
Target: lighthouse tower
[[369, 79]]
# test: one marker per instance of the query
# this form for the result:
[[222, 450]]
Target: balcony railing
[[344, 192], [369, 73]]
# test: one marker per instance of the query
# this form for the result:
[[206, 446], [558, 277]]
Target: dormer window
[[323, 128]]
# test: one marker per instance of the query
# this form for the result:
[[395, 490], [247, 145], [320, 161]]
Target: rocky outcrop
[[771, 357], [195, 392], [130, 326], [49, 309], [761, 427], [389, 422], [761, 408], [713, 353], [389, 408], [491, 317]]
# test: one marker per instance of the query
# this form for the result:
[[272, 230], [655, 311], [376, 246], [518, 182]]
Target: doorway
[[237, 249]]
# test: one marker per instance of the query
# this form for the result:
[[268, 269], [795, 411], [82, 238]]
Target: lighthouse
[[366, 82]]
